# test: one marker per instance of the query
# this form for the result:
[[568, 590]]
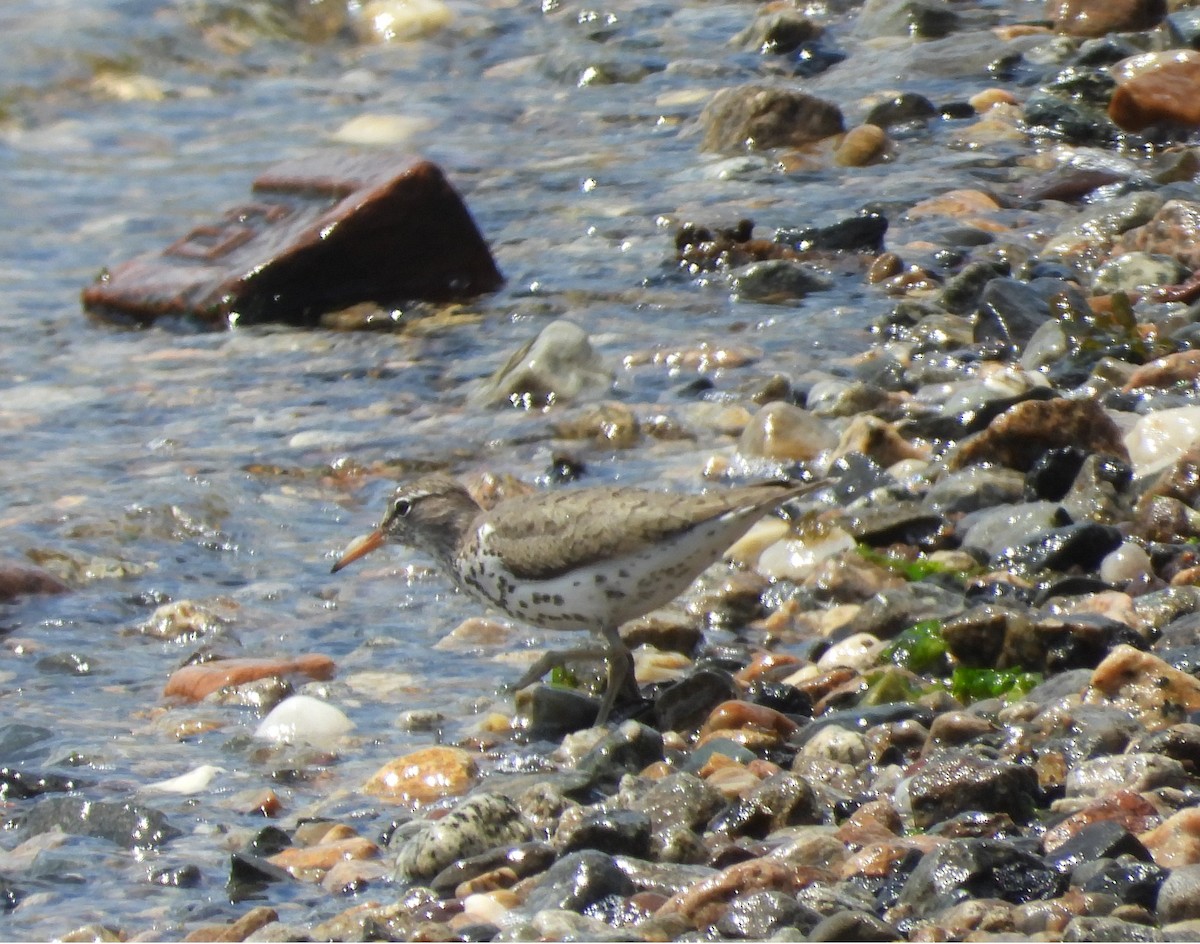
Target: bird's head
[[429, 514]]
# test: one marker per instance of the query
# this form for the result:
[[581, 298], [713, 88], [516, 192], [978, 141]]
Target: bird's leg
[[557, 659], [620, 675]]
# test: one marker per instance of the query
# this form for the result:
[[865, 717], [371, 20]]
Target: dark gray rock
[[778, 802], [663, 878], [1130, 881], [678, 844], [1053, 472], [578, 880], [178, 876], [974, 488], [777, 31], [760, 914], [904, 108], [25, 784], [953, 781], [854, 926], [547, 713], [863, 719], [777, 280], [10, 895], [1082, 545], [899, 523], [1059, 687], [978, 868], [628, 749], [1180, 742], [1011, 310], [125, 824], [249, 874], [616, 832], [680, 800], [685, 704], [993, 530], [22, 744], [1101, 839]]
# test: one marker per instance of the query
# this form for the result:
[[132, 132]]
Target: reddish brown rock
[[874, 821], [239, 930], [1131, 810], [319, 235], [194, 682], [705, 902], [428, 774], [1018, 436], [878, 860], [1179, 367], [759, 117], [1165, 94], [954, 204], [312, 861], [1100, 17], [738, 715], [769, 666], [18, 580]]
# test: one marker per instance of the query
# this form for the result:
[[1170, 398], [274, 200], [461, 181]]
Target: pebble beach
[[938, 257]]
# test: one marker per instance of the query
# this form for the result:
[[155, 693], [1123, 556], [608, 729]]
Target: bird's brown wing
[[610, 522]]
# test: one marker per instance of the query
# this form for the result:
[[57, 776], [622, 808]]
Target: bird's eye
[[402, 507]]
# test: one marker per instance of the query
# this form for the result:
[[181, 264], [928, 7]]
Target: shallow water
[[162, 465]]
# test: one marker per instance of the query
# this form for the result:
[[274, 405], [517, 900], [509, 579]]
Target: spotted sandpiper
[[577, 559]]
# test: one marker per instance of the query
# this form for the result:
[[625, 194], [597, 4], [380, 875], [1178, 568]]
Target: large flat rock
[[319, 235]]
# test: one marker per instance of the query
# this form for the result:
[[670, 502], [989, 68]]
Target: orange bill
[[359, 547]]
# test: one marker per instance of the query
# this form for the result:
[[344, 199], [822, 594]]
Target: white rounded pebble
[[486, 907], [1127, 562], [860, 651], [795, 558], [374, 130], [304, 718], [388, 21], [194, 781], [836, 744], [1159, 438]]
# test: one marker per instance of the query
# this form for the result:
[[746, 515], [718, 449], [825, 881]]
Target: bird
[[587, 559]]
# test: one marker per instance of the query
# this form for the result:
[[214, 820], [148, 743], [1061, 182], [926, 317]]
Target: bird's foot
[[621, 679], [557, 659]]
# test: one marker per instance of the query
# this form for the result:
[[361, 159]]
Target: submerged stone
[[125, 824], [758, 117]]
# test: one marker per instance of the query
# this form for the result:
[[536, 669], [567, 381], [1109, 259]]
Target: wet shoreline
[[967, 663]]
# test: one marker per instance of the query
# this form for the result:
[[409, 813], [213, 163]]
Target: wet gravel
[[953, 695]]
